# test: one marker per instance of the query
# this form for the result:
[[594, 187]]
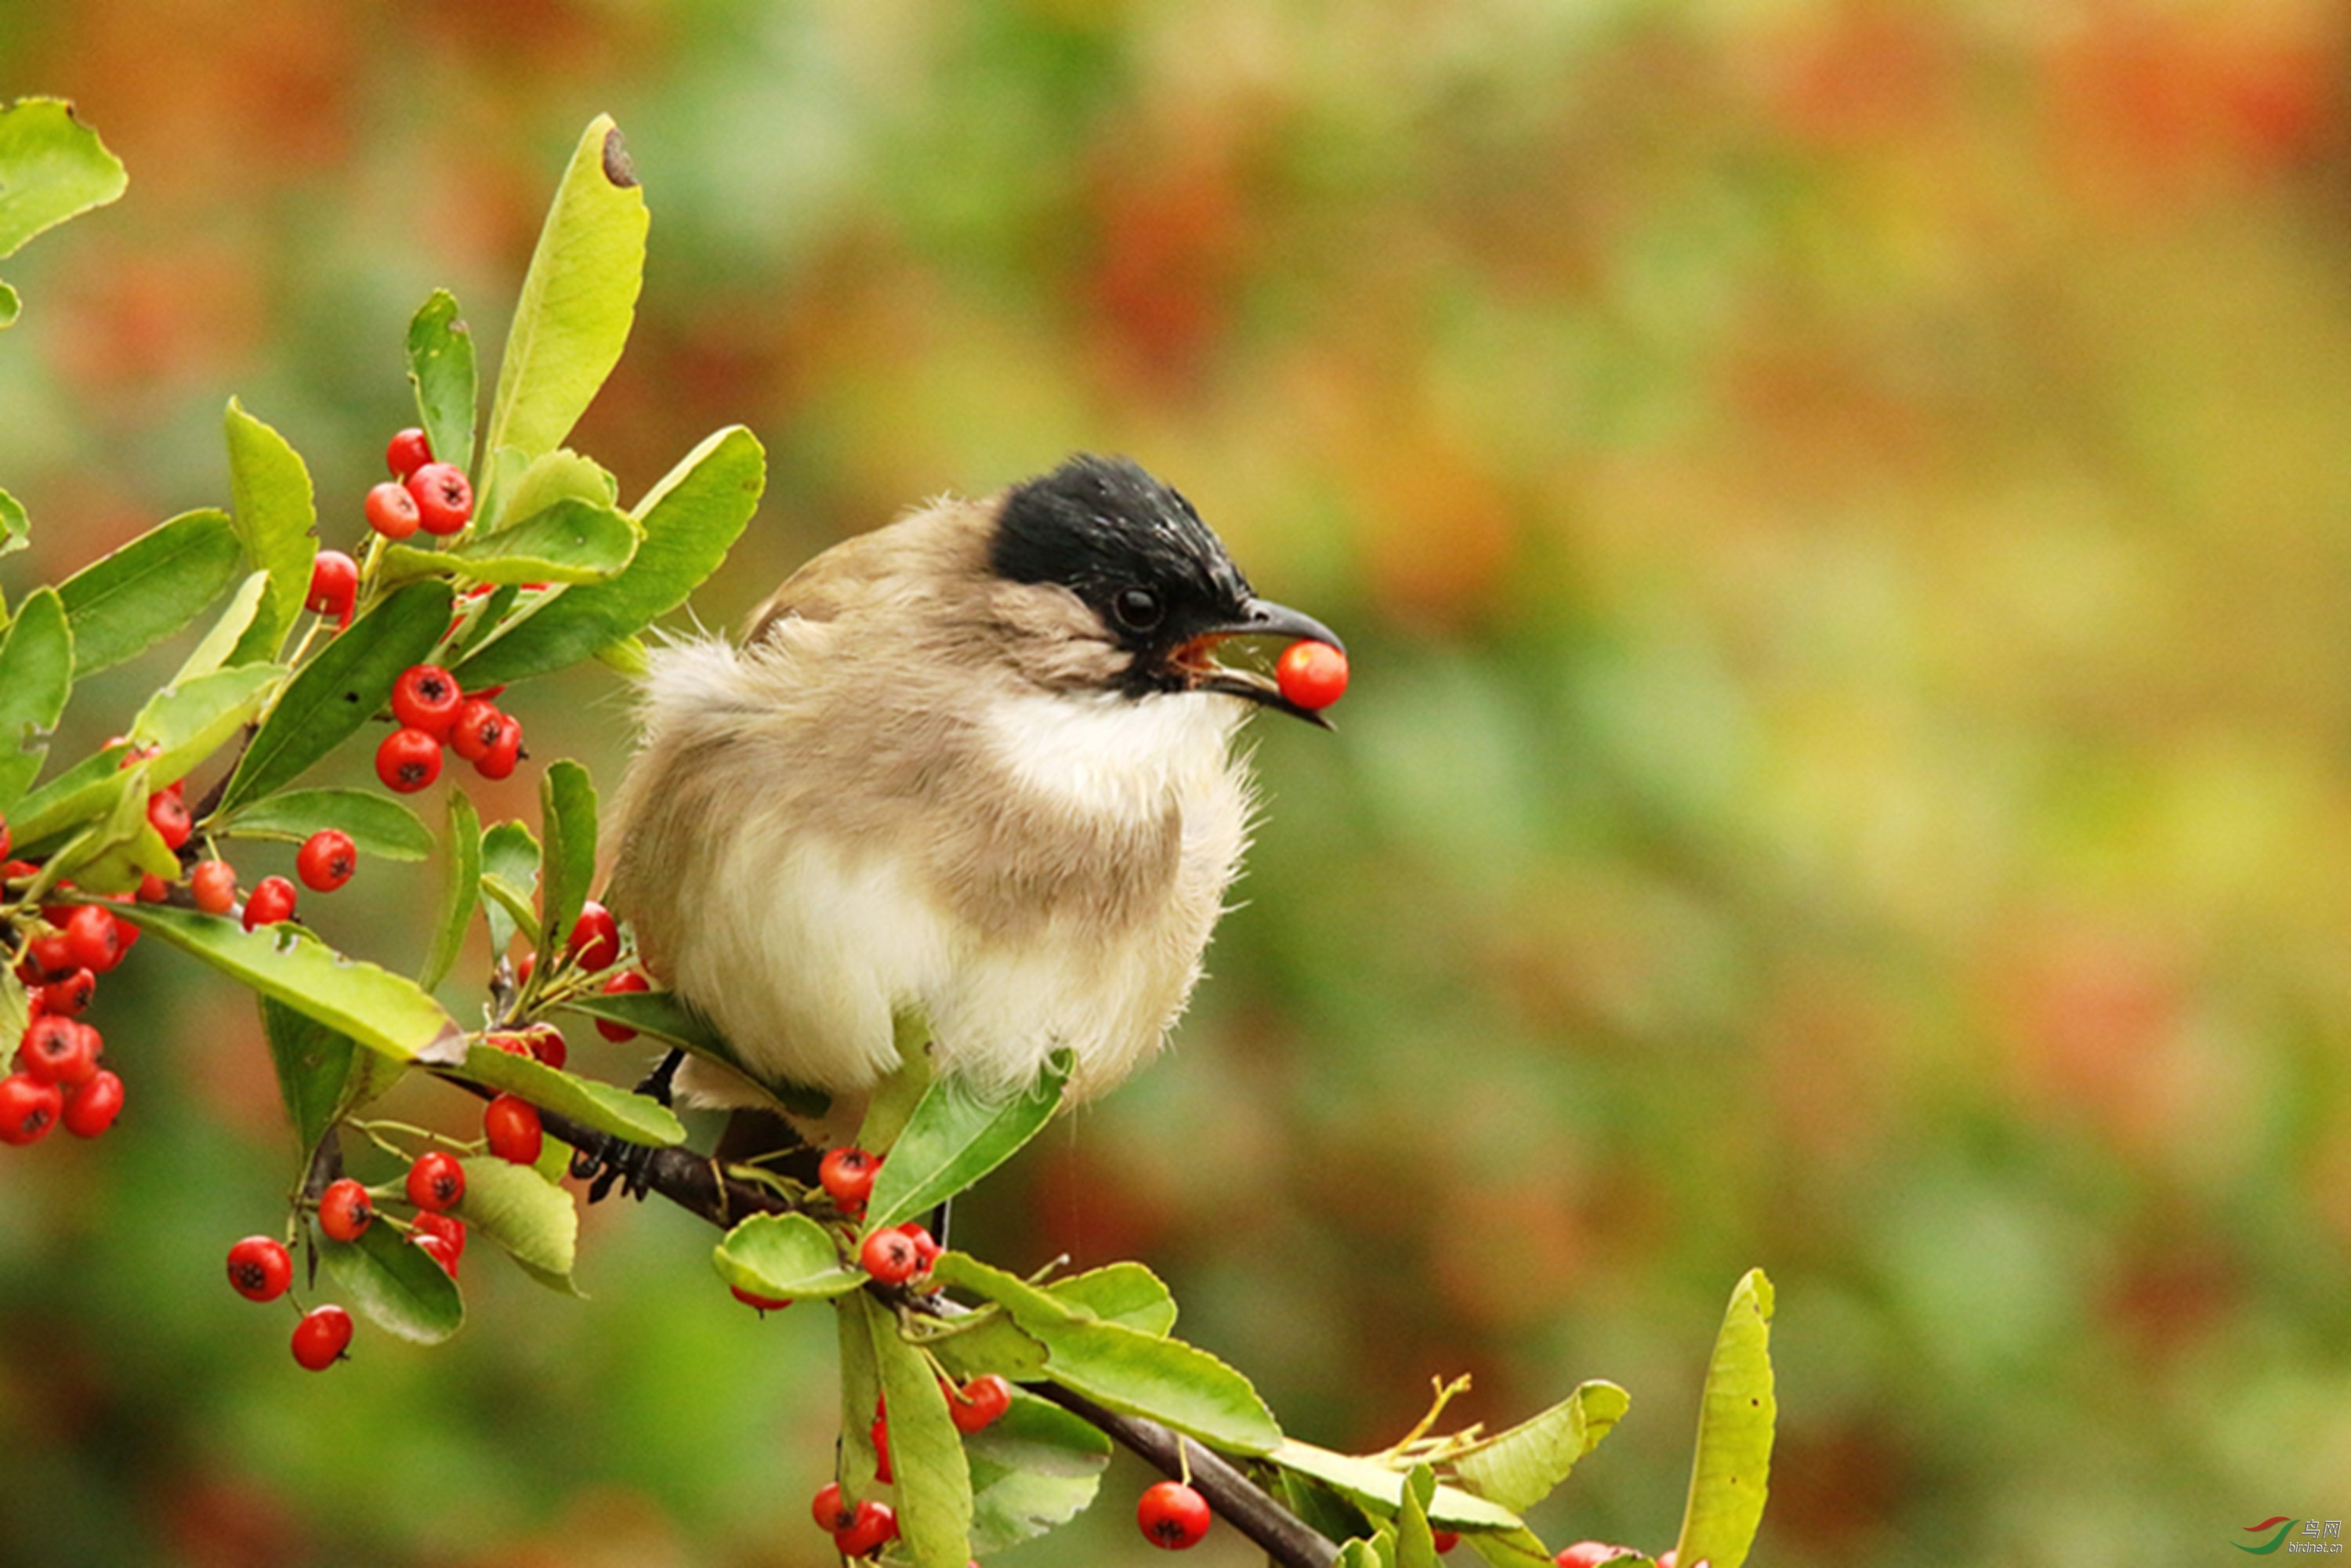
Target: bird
[[976, 767]]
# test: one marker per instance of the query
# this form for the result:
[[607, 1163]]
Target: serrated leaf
[[461, 890], [376, 1008], [1173, 1382], [219, 642], [395, 1284], [52, 168], [571, 541], [528, 1215], [957, 1135], [1375, 1486], [635, 1117], [1730, 1475], [1035, 1466], [338, 690], [277, 522], [36, 663], [578, 299], [566, 828], [380, 827], [189, 721], [314, 1072], [691, 519], [930, 1481], [785, 1256], [124, 603], [510, 859], [441, 368], [1520, 1466]]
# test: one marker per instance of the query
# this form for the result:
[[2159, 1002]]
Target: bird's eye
[[1138, 609]]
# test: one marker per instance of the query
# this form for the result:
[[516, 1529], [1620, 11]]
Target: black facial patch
[[1130, 547]]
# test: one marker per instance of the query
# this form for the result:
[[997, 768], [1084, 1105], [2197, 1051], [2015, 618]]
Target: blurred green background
[[1839, 512]]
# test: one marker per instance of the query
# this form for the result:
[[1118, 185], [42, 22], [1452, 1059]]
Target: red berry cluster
[[432, 713], [866, 1529], [421, 493]]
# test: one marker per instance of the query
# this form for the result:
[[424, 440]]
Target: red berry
[[1445, 1541], [93, 939], [526, 967], [169, 815], [475, 728], [1669, 1557], [124, 932], [927, 1248], [67, 996], [1173, 1516], [334, 583], [345, 1210], [322, 1337], [212, 886], [1312, 674], [271, 901], [426, 697], [437, 1181], [47, 959], [596, 940], [773, 1304], [408, 761], [626, 983], [437, 1248], [826, 1507], [444, 499], [497, 761], [890, 1257], [1591, 1554], [28, 1109], [4, 838], [545, 1043], [60, 1051], [259, 1268], [879, 1433], [92, 1108], [873, 1526], [512, 1127], [407, 452], [449, 1231], [847, 1175], [979, 1404], [390, 510], [326, 860]]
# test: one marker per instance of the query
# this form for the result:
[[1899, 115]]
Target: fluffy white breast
[[1100, 752]]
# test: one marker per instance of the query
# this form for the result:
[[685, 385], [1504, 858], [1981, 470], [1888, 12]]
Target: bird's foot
[[615, 1161]]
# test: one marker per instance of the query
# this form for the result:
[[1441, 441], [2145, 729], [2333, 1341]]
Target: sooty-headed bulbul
[[977, 764]]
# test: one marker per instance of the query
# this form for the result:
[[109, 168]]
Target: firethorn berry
[[873, 1527], [437, 1181], [498, 759], [437, 1248], [259, 1268], [407, 452], [769, 1304], [927, 1248], [449, 1229], [525, 967], [345, 1210], [1445, 1541], [271, 901], [1591, 1554], [1312, 674], [28, 1109], [153, 889], [390, 510], [426, 697], [93, 940], [60, 1051], [125, 933], [978, 1404], [626, 983], [445, 498], [334, 583], [4, 838], [322, 1337], [1172, 1516], [847, 1175], [67, 996], [890, 1257], [596, 939], [92, 1108], [408, 761], [512, 1127], [212, 886], [826, 1506], [879, 1433], [475, 728], [326, 860], [47, 959], [169, 815], [546, 1043]]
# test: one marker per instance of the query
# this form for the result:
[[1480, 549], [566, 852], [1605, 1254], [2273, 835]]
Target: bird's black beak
[[1259, 618]]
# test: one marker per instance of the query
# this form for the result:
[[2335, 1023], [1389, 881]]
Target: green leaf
[[860, 1391], [1322, 1510], [507, 899], [567, 826], [890, 1105], [16, 1006], [115, 851], [956, 1136], [36, 663], [314, 1072], [52, 167], [578, 299], [1521, 1548], [334, 695], [376, 1008], [931, 1482], [510, 867], [691, 519], [992, 1343], [1520, 1467], [441, 368], [277, 522], [380, 827], [1415, 1546], [220, 642], [635, 1117], [1125, 1293], [15, 531], [1035, 1466], [1170, 1382], [561, 474], [1357, 1554], [785, 1256], [1736, 1416], [523, 1212], [663, 1015], [396, 1284], [571, 541], [81, 792], [124, 603], [461, 891], [1373, 1486], [10, 305], [190, 720]]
